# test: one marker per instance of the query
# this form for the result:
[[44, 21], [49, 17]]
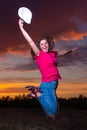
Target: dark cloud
[[19, 67], [50, 16], [26, 67], [65, 20]]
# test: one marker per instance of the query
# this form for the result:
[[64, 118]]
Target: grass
[[35, 119]]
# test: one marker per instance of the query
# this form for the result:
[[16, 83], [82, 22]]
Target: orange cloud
[[73, 36], [64, 90], [14, 89]]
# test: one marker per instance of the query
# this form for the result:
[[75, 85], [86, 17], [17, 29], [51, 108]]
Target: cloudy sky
[[66, 21]]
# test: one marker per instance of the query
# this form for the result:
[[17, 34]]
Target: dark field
[[35, 119]]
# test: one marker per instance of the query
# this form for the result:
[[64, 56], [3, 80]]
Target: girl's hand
[[74, 49], [21, 23]]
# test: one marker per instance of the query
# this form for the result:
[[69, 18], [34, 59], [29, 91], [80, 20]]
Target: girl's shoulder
[[54, 52]]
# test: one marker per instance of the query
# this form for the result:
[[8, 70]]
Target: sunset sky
[[66, 21]]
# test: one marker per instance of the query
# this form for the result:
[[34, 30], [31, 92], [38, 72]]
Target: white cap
[[25, 14]]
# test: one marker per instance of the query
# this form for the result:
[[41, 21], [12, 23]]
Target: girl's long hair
[[48, 38]]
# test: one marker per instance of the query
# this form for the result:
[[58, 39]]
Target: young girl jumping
[[47, 62]]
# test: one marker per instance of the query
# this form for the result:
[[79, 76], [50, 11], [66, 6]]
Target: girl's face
[[44, 46]]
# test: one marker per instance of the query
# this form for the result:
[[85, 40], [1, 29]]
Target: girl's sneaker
[[33, 89], [51, 116], [31, 95]]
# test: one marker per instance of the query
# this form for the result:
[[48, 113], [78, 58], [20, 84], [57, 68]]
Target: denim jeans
[[48, 99]]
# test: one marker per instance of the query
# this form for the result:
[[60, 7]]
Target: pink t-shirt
[[47, 63]]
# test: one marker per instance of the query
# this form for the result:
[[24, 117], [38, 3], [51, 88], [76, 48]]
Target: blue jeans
[[48, 99]]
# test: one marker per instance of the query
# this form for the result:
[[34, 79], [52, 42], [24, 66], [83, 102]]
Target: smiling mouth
[[45, 48]]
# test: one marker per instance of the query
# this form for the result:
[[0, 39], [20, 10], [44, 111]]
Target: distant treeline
[[23, 101]]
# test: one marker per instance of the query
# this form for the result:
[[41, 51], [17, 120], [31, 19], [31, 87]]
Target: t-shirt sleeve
[[36, 57]]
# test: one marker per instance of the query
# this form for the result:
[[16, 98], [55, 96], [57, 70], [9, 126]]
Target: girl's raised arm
[[28, 38]]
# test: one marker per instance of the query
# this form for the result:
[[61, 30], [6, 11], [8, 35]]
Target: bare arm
[[64, 52], [28, 38]]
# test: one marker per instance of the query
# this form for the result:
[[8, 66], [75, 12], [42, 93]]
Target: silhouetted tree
[[23, 101]]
